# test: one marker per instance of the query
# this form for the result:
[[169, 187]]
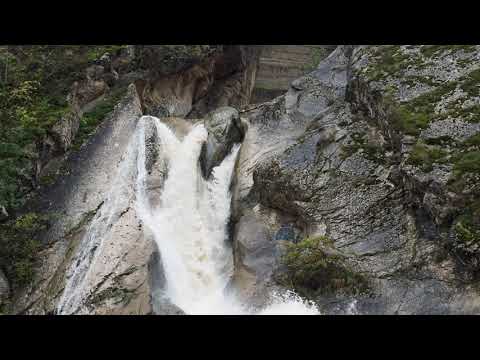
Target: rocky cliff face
[[164, 81], [358, 187], [217, 78], [374, 151]]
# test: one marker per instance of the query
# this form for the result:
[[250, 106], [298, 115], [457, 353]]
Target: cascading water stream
[[189, 226]]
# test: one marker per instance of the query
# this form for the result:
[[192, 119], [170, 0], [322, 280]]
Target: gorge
[[173, 183]]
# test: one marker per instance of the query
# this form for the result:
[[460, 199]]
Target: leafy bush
[[312, 266], [409, 122], [425, 156], [19, 245], [468, 163]]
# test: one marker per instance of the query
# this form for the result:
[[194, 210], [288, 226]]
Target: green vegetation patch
[[19, 246], [415, 79], [413, 116], [372, 152], [467, 162], [34, 83], [95, 52], [424, 156], [91, 119], [473, 141], [313, 268], [318, 54], [471, 83], [386, 61], [467, 227], [409, 122], [435, 50]]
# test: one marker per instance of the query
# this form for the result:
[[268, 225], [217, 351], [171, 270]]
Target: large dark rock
[[225, 128]]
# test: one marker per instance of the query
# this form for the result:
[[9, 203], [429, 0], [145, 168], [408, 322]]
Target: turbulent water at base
[[189, 226]]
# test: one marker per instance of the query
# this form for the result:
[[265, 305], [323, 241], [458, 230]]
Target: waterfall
[[190, 228], [188, 224]]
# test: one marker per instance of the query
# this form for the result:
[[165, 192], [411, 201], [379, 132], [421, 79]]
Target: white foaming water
[[352, 308], [289, 303], [190, 228]]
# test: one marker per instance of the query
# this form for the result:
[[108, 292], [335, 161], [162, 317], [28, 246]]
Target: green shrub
[[467, 227], [425, 156], [312, 266], [471, 83], [19, 246], [468, 162], [467, 233], [409, 122], [473, 140]]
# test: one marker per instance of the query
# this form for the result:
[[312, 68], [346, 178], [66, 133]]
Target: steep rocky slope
[[370, 166]]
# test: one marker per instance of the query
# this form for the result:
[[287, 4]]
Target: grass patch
[[96, 52], [440, 141], [413, 116], [415, 79]]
